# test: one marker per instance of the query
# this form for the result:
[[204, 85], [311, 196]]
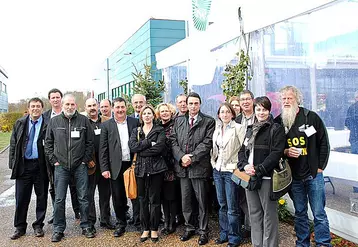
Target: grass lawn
[[4, 139]]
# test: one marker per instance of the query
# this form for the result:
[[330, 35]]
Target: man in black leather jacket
[[191, 144], [69, 148]]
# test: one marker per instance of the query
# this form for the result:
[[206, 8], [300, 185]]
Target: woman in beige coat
[[227, 140]]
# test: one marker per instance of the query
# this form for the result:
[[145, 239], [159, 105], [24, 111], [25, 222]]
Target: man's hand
[[292, 152], [106, 174], [250, 170], [186, 160], [56, 164], [91, 164]]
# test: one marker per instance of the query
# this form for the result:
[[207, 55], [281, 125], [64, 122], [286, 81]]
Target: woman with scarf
[[165, 113], [149, 170], [227, 140], [258, 156]]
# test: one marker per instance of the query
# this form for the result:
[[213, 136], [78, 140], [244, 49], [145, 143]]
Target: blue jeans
[[62, 180], [229, 214], [312, 190]]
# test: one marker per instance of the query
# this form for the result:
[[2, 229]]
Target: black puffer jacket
[[267, 151], [149, 158], [197, 141], [168, 154], [69, 151]]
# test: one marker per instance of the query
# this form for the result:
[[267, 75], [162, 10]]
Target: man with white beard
[[307, 150]]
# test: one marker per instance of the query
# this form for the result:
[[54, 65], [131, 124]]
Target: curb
[[5, 149]]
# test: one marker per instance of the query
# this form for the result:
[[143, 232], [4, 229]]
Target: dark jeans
[[229, 216], [149, 189], [104, 192], [199, 188], [23, 190], [62, 180], [310, 190], [119, 198]]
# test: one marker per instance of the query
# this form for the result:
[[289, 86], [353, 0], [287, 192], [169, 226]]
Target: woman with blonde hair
[[148, 142], [165, 113]]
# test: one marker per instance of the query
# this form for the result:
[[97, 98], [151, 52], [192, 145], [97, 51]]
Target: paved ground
[[73, 235]]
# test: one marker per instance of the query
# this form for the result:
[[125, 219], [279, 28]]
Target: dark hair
[[264, 102], [194, 95], [118, 99], [110, 103], [247, 92], [54, 90], [229, 107], [35, 100]]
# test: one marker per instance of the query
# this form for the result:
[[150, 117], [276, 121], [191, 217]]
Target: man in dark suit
[[55, 97], [115, 157], [27, 161]]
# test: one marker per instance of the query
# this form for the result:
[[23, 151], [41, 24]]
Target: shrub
[[7, 120]]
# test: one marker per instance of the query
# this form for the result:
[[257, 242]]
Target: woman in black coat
[[149, 170], [165, 113], [259, 155]]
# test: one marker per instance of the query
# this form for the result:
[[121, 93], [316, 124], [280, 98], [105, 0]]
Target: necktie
[[191, 122], [30, 141]]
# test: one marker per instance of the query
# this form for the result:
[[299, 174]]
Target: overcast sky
[[46, 44]]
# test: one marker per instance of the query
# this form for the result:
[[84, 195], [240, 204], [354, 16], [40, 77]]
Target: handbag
[[240, 178], [130, 182], [281, 180]]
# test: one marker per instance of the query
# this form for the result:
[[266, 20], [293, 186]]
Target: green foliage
[[145, 84], [130, 109], [184, 85], [7, 120], [4, 139], [235, 76], [283, 213]]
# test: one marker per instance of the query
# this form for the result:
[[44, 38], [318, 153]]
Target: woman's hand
[[250, 170]]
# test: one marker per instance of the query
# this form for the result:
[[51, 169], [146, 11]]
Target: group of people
[[177, 153]]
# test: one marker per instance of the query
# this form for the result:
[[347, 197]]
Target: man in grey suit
[[115, 158]]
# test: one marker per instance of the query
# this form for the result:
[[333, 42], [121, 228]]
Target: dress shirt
[[35, 154], [124, 137]]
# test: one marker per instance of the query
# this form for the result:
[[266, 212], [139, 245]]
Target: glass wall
[[319, 55]]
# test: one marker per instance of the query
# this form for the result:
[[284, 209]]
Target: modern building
[[115, 74], [4, 104], [290, 43]]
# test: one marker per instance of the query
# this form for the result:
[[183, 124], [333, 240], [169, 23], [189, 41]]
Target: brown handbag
[[130, 183]]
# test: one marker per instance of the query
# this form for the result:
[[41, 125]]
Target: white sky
[[46, 44]]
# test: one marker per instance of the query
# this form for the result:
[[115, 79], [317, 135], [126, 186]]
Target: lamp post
[[108, 78]]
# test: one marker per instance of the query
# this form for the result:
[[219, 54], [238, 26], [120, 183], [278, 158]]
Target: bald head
[[105, 108], [138, 101]]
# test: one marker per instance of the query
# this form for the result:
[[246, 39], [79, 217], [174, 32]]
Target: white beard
[[289, 116]]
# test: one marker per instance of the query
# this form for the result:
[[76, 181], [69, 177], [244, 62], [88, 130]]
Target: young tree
[[145, 84], [184, 85], [235, 76]]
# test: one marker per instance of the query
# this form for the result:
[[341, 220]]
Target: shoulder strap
[[135, 155], [306, 111]]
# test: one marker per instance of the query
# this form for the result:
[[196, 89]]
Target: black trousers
[[119, 197], [199, 187], [74, 200], [149, 190], [104, 192], [23, 189], [136, 212], [169, 203]]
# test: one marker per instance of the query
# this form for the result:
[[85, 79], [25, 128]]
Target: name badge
[[43, 142], [310, 131], [97, 132], [246, 141], [75, 134]]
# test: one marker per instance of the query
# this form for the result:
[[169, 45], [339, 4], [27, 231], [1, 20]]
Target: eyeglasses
[[245, 99]]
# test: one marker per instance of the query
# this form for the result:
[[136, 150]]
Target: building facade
[[4, 104], [153, 36]]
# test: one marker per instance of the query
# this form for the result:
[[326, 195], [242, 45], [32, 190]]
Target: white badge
[[97, 132], [246, 141], [75, 134], [43, 142], [310, 131]]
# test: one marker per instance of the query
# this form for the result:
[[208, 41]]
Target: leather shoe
[[88, 232], [93, 229], [187, 235], [39, 232], [50, 221], [17, 234], [57, 236], [203, 239], [107, 225], [220, 241], [119, 232]]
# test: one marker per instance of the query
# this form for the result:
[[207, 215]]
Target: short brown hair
[[264, 102], [144, 108], [228, 106]]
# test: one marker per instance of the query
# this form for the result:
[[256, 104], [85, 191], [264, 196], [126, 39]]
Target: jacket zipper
[[69, 144]]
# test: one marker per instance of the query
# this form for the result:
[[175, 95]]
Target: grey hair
[[295, 91], [145, 100], [66, 96]]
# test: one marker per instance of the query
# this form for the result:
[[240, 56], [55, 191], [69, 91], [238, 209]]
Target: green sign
[[201, 9]]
